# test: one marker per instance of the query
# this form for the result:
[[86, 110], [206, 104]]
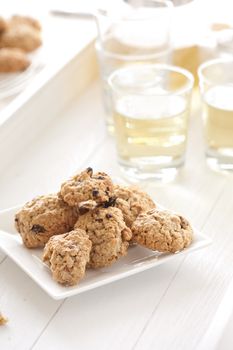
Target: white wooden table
[[182, 305]]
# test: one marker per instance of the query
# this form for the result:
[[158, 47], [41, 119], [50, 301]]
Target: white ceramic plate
[[13, 83], [138, 259]]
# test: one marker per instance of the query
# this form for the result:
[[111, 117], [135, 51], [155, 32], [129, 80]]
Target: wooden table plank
[[105, 317], [191, 301], [219, 333], [26, 306]]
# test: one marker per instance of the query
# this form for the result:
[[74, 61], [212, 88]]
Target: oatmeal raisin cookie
[[87, 186], [162, 230], [108, 233], [3, 24], [44, 217], [132, 201], [13, 60], [23, 37], [19, 20], [67, 256]]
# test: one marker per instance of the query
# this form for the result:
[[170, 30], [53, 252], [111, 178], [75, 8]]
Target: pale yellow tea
[[151, 129], [218, 119]]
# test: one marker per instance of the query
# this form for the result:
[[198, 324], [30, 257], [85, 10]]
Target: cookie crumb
[[86, 205], [3, 320]]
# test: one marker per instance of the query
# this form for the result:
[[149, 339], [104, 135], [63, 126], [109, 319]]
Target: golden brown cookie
[[30, 21], [132, 201], [23, 37], [108, 233], [162, 230], [13, 60], [87, 186], [67, 256], [3, 24], [42, 218]]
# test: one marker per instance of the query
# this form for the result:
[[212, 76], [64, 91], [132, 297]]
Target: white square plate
[[138, 259]]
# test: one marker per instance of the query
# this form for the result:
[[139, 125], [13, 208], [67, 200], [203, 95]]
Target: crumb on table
[[3, 320]]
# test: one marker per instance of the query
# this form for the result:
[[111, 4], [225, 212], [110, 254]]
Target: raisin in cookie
[[87, 186], [108, 233], [42, 218], [67, 256], [13, 60], [23, 37], [132, 201], [162, 230]]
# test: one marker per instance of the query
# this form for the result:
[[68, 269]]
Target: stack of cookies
[[92, 222], [18, 36]]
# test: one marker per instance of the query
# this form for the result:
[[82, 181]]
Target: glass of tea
[[216, 86], [131, 33], [151, 106]]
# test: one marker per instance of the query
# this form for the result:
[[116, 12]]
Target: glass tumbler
[[131, 34], [216, 87], [151, 105]]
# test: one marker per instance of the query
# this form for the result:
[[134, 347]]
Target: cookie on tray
[[30, 21], [3, 24], [109, 235], [87, 186], [13, 60], [67, 256], [44, 217], [23, 37], [162, 230], [132, 201]]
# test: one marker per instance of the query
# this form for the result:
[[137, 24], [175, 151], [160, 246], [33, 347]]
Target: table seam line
[[46, 325], [214, 205], [204, 334], [162, 296], [3, 259], [173, 278]]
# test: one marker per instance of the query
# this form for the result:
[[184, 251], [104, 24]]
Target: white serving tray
[[49, 93], [138, 259]]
